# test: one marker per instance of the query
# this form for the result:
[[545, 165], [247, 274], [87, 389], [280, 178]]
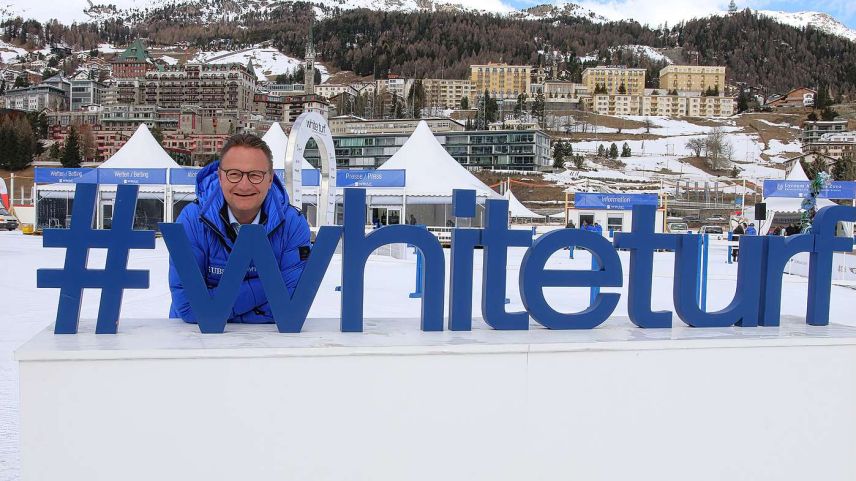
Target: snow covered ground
[[8, 52], [29, 310], [266, 61]]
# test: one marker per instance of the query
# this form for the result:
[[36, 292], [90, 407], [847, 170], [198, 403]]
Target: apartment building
[[37, 98], [86, 92], [657, 103], [614, 80], [209, 86], [501, 80], [692, 78], [813, 130], [350, 124], [560, 91], [446, 93]]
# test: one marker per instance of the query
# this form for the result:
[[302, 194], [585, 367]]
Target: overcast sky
[[653, 12]]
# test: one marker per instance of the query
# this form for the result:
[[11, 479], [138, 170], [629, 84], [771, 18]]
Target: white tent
[[141, 151], [517, 209], [786, 205], [431, 173], [277, 140]]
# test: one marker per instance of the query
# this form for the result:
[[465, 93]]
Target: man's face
[[245, 198]]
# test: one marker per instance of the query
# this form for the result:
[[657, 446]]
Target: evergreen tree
[[732, 7], [465, 103], [625, 150], [622, 90], [417, 98], [538, 108], [742, 101], [844, 168], [157, 133], [613, 151], [54, 153], [71, 149], [601, 151], [558, 154]]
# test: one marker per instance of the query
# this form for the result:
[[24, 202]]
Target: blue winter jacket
[[206, 222]]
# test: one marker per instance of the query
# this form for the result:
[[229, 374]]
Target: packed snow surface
[[388, 283]]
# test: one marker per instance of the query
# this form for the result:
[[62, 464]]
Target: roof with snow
[[430, 170]]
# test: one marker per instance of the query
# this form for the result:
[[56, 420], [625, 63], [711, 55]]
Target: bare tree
[[696, 144], [718, 151]]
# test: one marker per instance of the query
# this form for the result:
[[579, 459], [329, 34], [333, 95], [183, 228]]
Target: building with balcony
[[614, 80], [501, 80], [475, 150], [447, 93], [692, 78], [208, 86], [134, 62]]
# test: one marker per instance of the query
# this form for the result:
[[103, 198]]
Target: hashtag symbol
[[114, 278]]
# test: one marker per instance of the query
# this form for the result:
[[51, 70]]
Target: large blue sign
[[131, 176], [370, 178], [47, 175], [757, 299], [801, 188], [592, 200], [184, 176]]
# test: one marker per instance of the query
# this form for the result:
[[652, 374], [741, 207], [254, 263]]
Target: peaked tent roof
[[276, 139], [517, 209], [430, 170], [139, 152], [793, 204]]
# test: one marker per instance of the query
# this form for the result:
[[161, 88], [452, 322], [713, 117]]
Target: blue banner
[[802, 188], [311, 177], [589, 200], [47, 175], [370, 178], [185, 176], [131, 176]]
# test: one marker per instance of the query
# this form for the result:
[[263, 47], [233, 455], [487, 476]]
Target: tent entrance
[[386, 215]]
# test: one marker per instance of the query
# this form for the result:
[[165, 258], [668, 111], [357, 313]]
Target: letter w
[[212, 308]]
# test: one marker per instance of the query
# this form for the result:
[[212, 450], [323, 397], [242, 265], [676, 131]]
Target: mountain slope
[[821, 21]]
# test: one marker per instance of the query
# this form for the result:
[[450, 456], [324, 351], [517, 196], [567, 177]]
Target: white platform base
[[160, 401]]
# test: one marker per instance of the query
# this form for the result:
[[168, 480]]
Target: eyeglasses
[[235, 175]]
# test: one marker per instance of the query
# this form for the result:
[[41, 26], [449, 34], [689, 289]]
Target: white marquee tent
[[141, 151], [786, 206]]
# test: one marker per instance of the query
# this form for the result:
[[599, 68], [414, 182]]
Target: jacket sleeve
[[290, 263], [180, 304]]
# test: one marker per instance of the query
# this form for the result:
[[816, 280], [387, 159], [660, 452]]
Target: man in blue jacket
[[240, 189]]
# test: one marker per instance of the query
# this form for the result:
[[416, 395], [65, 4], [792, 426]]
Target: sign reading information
[[590, 200]]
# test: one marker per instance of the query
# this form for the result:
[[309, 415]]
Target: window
[[614, 224]]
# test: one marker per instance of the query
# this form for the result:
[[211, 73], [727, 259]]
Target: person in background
[[597, 228], [570, 224], [735, 236], [751, 229], [412, 220]]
